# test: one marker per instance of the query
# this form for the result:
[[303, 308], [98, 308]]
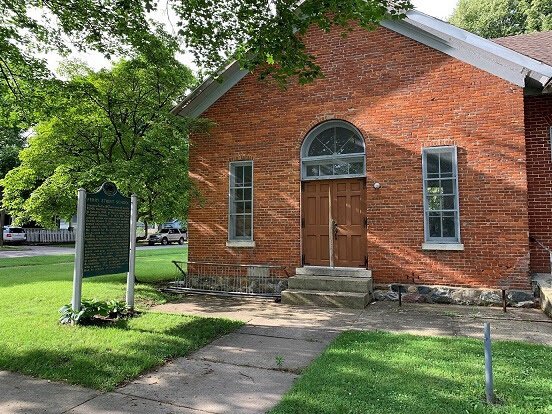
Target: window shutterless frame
[[234, 212], [440, 193]]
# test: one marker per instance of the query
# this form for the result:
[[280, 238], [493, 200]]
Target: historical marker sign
[[105, 242], [106, 232]]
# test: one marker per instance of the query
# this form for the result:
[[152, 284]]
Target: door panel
[[349, 213], [316, 221]]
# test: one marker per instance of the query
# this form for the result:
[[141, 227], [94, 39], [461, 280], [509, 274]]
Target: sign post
[[132, 253], [105, 239], [489, 386], [79, 251]]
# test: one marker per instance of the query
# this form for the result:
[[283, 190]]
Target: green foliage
[[268, 36], [256, 32], [499, 18], [11, 143], [91, 309], [111, 125]]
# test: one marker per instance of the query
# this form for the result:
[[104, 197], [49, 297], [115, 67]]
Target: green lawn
[[32, 342], [363, 372]]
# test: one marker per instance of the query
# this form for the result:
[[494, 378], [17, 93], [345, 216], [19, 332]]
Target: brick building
[[423, 156]]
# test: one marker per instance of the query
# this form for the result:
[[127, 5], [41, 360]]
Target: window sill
[[240, 243], [443, 246]]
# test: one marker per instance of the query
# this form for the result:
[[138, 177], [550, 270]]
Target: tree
[[499, 18], [256, 32], [109, 125]]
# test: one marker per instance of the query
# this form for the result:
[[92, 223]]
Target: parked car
[[167, 236], [14, 234]]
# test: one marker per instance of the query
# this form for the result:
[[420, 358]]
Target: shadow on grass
[[104, 357]]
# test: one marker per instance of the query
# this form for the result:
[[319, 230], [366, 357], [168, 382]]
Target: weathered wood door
[[334, 225]]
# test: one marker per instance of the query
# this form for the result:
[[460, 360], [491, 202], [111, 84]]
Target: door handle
[[334, 229]]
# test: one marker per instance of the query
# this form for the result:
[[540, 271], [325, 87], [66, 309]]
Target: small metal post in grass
[[504, 301], [489, 386], [400, 295]]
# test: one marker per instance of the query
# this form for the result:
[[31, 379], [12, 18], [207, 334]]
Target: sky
[[441, 9]]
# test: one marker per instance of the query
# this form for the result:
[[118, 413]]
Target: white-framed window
[[441, 207], [333, 149], [240, 201]]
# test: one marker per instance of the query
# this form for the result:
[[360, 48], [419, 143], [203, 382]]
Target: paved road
[[31, 251], [240, 373]]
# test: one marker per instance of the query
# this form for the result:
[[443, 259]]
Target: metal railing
[[229, 279]]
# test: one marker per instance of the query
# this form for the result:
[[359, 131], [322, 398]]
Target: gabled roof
[[537, 45], [506, 63]]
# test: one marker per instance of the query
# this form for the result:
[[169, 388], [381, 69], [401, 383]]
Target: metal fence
[[49, 236], [229, 279]]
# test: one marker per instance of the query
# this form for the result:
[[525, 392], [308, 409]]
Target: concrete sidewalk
[[249, 370]]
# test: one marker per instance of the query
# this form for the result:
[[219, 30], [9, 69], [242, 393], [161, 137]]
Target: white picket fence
[[49, 236]]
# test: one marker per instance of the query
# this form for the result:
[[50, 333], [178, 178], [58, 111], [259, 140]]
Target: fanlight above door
[[333, 149]]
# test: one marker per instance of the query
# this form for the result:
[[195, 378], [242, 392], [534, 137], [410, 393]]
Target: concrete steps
[[329, 287]]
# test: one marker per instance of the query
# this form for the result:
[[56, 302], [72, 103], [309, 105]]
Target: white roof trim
[[484, 54]]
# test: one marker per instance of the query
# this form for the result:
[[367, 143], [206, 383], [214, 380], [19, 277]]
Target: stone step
[[333, 271], [331, 283], [353, 300]]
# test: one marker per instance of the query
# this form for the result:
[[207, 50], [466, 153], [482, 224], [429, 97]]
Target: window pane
[[347, 142], [432, 163], [238, 176], [239, 226], [446, 163], [247, 226], [448, 186], [449, 229], [326, 169], [239, 207], [247, 175], [434, 225], [433, 187], [434, 202], [312, 170], [238, 194], [341, 168], [356, 168], [448, 203], [247, 207], [247, 194], [323, 144]]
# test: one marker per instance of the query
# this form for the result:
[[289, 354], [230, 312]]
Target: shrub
[[94, 310]]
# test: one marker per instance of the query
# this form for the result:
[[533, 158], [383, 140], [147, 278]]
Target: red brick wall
[[402, 96], [538, 120]]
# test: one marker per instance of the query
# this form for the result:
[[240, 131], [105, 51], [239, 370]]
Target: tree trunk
[[2, 219], [146, 229]]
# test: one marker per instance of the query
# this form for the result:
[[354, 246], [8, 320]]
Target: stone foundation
[[454, 295]]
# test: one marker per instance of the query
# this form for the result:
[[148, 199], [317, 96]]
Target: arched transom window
[[334, 149]]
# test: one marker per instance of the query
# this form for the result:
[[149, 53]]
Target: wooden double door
[[334, 223]]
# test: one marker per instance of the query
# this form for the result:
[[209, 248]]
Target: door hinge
[[366, 262], [365, 222], [302, 222]]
